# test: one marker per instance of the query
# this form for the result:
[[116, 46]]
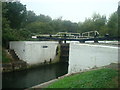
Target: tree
[[57, 25], [16, 14], [95, 23], [113, 24], [30, 17], [118, 11], [87, 25], [10, 23], [69, 26], [99, 21], [39, 28], [43, 18]]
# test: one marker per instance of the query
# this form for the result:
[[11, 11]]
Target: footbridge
[[65, 36]]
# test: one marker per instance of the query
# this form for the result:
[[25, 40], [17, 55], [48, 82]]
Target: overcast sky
[[73, 10]]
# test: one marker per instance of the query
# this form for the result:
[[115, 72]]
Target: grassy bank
[[5, 57], [102, 78]]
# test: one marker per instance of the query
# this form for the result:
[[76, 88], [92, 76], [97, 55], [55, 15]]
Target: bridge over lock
[[86, 36]]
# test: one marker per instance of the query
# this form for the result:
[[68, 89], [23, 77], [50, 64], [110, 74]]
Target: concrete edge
[[45, 84]]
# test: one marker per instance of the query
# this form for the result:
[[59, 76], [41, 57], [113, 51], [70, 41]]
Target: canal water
[[35, 76]]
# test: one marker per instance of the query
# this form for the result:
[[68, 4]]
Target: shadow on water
[[31, 77]]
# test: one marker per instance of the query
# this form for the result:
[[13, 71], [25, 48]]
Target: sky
[[73, 10]]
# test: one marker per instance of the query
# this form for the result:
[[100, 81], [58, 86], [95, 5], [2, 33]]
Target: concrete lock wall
[[18, 47], [34, 52], [85, 56]]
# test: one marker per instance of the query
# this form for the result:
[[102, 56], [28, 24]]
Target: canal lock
[[64, 52]]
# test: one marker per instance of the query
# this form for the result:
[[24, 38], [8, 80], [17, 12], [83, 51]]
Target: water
[[32, 77]]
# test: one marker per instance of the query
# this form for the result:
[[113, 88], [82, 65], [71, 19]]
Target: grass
[[5, 57], [102, 78]]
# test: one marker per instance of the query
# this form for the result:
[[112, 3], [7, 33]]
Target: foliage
[[15, 13], [102, 78], [97, 22], [30, 17], [39, 27], [43, 18], [118, 11], [113, 24]]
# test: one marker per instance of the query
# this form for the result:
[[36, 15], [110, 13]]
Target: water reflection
[[28, 78]]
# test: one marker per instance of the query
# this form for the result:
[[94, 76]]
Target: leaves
[[15, 12], [39, 27], [113, 24]]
